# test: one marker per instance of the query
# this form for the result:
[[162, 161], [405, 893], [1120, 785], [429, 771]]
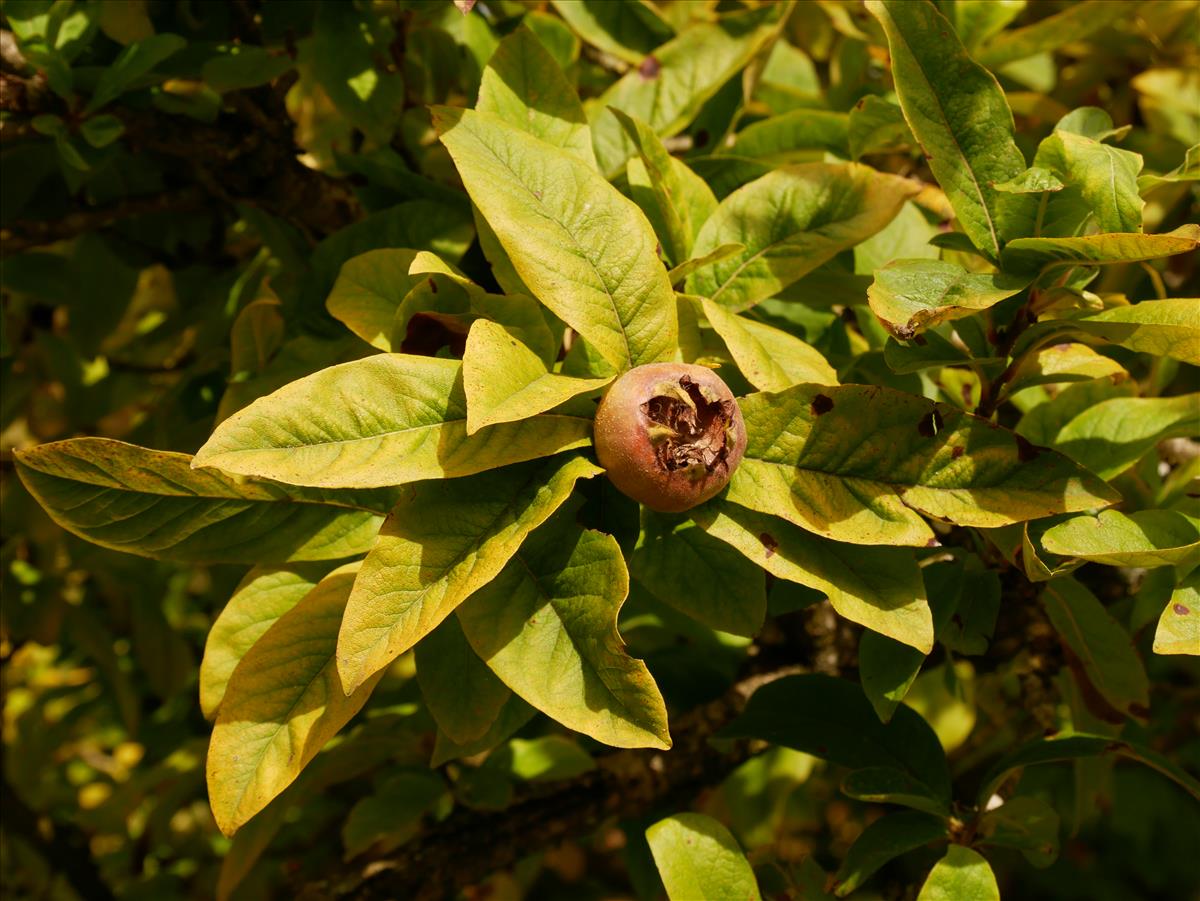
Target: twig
[[468, 845]]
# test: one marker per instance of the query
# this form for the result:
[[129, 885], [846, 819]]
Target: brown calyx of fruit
[[689, 428]]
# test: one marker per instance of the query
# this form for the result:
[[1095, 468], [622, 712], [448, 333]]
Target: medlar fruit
[[670, 435]]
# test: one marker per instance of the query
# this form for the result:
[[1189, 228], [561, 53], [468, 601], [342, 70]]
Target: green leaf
[[557, 218], [961, 874], [525, 87], [1032, 254], [547, 626], [1052, 32], [910, 296], [342, 57], [505, 381], [282, 704], [102, 130], [831, 719], [546, 759], [1110, 436], [384, 420], [390, 816], [443, 541], [793, 137], [264, 595], [700, 576], [886, 785], [958, 113], [626, 30], [1070, 747], [877, 587], [667, 88], [153, 504], [886, 838], [1178, 629], [698, 858], [1146, 538], [771, 359], [1043, 423], [877, 126], [1101, 645], [791, 221], [666, 183], [1032, 181], [1104, 183], [1026, 823], [244, 66], [514, 714], [857, 463], [369, 290], [135, 61], [459, 690]]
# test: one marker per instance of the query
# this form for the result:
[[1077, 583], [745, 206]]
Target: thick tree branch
[[467, 846]]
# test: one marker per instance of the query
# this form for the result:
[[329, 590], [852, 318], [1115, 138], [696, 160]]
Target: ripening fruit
[[670, 435]]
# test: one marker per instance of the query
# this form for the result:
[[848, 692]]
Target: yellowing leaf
[[791, 221], [384, 420], [584, 250], [547, 626], [460, 691], [877, 587], [153, 504], [771, 359], [855, 463], [505, 381], [369, 290], [283, 703], [264, 595], [1032, 254], [1178, 629], [443, 541], [525, 87]]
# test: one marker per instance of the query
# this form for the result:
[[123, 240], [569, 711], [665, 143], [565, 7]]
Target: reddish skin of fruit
[[660, 451]]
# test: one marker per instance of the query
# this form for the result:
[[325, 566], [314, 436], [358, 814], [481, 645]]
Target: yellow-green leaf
[[1102, 646], [153, 504], [1168, 328], [668, 87], [791, 221], [1074, 22], [369, 290], [771, 359], [584, 250], [525, 87], [505, 381], [1146, 538], [855, 463], [547, 626], [962, 874], [1032, 254], [443, 541], [958, 113], [910, 296], [1063, 363], [877, 587], [384, 420], [283, 703], [264, 595], [463, 695], [698, 858], [666, 184], [1178, 629]]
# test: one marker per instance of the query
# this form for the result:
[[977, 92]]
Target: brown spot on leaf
[[770, 545], [701, 138], [930, 425], [649, 68], [957, 451], [1181, 610], [432, 285], [821, 404], [1025, 450]]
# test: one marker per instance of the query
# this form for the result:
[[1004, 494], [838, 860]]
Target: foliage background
[[173, 220]]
